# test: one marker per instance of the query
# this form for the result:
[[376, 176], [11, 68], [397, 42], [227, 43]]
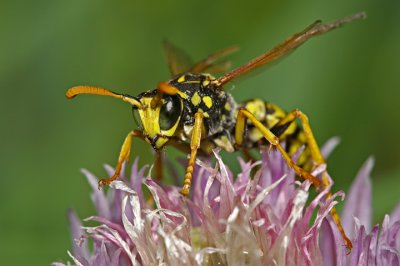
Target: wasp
[[194, 113]]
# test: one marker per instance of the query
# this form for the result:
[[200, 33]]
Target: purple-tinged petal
[[198, 185], [80, 248], [389, 242], [358, 244], [394, 240], [227, 192], [102, 233], [101, 256], [115, 258], [260, 196], [118, 227], [205, 252], [395, 215], [76, 261], [115, 196], [275, 167], [105, 233], [327, 244], [368, 248], [163, 199], [282, 250], [358, 203], [139, 233], [137, 177], [238, 222], [310, 240], [242, 180], [314, 203], [213, 189], [329, 146], [98, 197], [266, 175]]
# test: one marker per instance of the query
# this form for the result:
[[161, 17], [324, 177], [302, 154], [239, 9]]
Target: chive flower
[[261, 216]]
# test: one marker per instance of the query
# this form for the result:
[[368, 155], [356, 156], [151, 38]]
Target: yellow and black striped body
[[270, 114], [220, 112], [216, 105]]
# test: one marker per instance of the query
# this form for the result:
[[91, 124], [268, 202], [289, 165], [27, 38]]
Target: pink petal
[[328, 245], [80, 248], [98, 197], [358, 203], [329, 146]]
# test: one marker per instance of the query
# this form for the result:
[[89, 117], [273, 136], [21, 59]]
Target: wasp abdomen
[[270, 115]]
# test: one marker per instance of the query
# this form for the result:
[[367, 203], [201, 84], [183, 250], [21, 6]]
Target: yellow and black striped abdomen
[[270, 114]]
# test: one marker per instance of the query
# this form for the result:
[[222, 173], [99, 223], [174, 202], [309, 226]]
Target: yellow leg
[[123, 156], [194, 145], [244, 114], [317, 158]]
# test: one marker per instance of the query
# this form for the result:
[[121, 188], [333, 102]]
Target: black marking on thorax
[[204, 97]]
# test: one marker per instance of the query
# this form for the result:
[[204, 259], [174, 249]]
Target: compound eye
[[170, 112], [136, 118]]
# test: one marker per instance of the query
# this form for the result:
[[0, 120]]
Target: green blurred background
[[346, 81]]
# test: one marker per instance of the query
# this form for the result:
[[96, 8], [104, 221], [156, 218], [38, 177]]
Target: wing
[[287, 46], [179, 62], [210, 64]]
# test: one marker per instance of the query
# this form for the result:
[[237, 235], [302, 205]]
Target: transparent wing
[[210, 64], [178, 61], [287, 46]]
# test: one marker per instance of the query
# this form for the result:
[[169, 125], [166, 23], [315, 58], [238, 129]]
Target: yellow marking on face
[[207, 101], [196, 99], [148, 116], [206, 82], [181, 79], [227, 106]]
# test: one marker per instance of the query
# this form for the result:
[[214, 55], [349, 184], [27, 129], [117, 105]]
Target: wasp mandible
[[192, 112]]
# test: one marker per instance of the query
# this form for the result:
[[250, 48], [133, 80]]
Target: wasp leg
[[123, 156], [158, 165], [194, 146], [244, 114], [316, 157]]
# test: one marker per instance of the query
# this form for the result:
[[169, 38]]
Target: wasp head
[[158, 115], [156, 112]]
